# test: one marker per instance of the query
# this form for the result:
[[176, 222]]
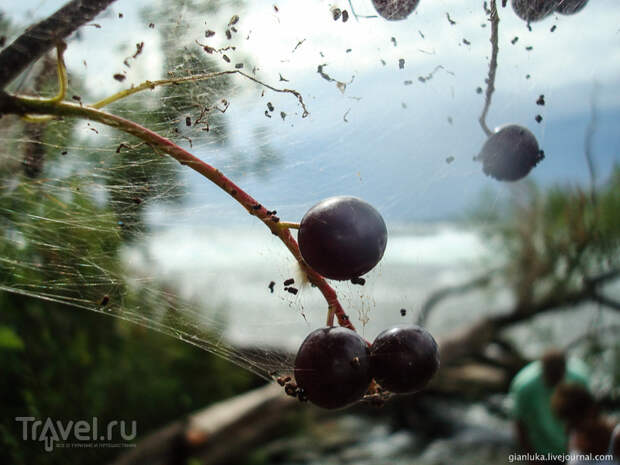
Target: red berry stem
[[26, 106]]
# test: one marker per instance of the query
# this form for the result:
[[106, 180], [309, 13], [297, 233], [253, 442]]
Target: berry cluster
[[335, 366], [343, 238]]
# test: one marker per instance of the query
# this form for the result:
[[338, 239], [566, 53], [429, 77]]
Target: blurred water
[[232, 268], [228, 270], [478, 437]]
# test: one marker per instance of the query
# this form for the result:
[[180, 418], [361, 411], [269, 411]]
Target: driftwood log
[[218, 434]]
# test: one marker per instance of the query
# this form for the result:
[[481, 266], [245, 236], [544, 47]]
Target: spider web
[[94, 219]]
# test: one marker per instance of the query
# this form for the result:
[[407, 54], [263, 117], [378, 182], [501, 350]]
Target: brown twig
[[41, 37], [275, 89], [494, 18], [443, 293], [588, 292], [605, 300]]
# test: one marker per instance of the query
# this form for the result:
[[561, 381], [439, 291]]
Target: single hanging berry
[[342, 237], [510, 153]]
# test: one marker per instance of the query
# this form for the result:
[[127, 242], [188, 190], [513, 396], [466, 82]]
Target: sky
[[404, 145], [388, 136]]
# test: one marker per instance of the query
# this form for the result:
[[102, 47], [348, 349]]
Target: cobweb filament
[[114, 225], [112, 302]]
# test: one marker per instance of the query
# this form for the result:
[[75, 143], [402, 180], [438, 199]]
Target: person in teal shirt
[[538, 428]]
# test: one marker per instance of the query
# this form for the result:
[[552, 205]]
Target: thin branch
[[588, 142], [441, 294], [153, 84], [605, 300], [275, 89], [30, 105], [61, 71], [193, 78], [591, 335], [604, 277], [41, 37], [289, 225], [555, 300], [63, 83], [494, 18]]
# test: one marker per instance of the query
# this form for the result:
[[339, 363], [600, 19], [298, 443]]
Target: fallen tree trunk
[[218, 434], [226, 431]]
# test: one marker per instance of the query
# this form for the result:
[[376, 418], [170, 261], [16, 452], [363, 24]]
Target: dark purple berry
[[342, 237], [533, 10], [394, 10], [570, 7], [404, 358], [510, 153], [333, 367]]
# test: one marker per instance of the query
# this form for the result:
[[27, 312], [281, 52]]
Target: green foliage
[[70, 364], [554, 239], [49, 237], [61, 242], [78, 365], [9, 340]]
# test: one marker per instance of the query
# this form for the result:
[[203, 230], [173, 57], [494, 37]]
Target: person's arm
[[523, 438], [575, 443]]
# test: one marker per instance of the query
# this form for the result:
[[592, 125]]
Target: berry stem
[[494, 18], [330, 316], [61, 71], [193, 78], [63, 83], [28, 105], [288, 225]]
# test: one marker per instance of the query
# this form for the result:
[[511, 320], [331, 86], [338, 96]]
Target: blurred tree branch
[[561, 249], [606, 301], [451, 291], [43, 36]]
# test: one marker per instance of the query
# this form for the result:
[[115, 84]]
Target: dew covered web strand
[[80, 243], [68, 222], [60, 246], [65, 243], [86, 230]]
